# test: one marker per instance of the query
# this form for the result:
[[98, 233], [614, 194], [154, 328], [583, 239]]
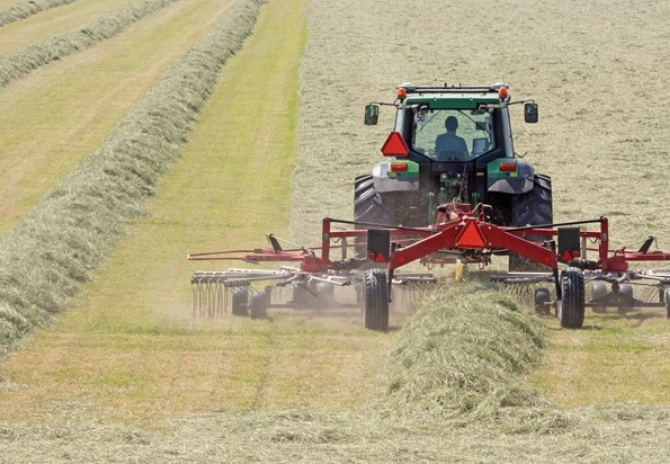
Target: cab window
[[453, 135]]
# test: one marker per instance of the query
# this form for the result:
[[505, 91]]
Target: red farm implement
[[459, 233]]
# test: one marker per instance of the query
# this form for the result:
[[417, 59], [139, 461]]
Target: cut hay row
[[462, 357], [18, 64], [26, 9], [45, 259]]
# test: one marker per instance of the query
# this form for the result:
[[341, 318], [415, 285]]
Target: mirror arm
[[519, 102], [397, 105]]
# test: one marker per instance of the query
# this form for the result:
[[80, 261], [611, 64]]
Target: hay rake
[[460, 233], [311, 284]]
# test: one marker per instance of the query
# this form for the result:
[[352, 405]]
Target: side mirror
[[530, 113], [371, 114]]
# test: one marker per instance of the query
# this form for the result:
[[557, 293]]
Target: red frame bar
[[444, 236], [494, 237]]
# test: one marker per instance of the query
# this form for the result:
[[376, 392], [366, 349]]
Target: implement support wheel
[[598, 295], [626, 300], [571, 306], [375, 289], [240, 303], [258, 304], [542, 300]]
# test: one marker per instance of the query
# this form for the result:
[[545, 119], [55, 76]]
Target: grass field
[[47, 24], [57, 100], [127, 375]]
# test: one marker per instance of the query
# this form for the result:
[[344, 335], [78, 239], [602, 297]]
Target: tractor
[[451, 188], [453, 143]]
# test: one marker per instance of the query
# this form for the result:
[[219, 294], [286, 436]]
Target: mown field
[[167, 138]]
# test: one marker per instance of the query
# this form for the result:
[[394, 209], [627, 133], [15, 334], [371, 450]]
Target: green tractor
[[453, 143]]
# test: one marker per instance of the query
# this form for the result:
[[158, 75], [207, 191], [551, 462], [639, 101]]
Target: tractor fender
[[386, 180], [512, 182]]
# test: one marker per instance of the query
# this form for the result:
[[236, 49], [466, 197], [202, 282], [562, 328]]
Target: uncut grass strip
[[45, 259], [27, 9], [21, 63]]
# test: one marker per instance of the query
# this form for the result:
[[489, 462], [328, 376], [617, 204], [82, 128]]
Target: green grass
[[616, 358], [52, 252], [50, 22], [55, 102], [130, 353], [136, 318], [25, 60]]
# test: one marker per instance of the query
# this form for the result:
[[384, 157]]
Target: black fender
[[512, 183], [385, 183]]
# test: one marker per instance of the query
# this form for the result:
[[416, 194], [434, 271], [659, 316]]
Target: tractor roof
[[450, 97]]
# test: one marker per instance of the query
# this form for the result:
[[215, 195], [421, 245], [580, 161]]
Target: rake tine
[[211, 298], [194, 287], [226, 299], [206, 298], [219, 298]]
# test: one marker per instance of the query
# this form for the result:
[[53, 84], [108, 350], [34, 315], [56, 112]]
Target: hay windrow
[[463, 356], [46, 258], [26, 9], [18, 64]]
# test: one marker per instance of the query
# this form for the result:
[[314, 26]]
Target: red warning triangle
[[471, 237], [566, 256], [395, 146], [380, 258]]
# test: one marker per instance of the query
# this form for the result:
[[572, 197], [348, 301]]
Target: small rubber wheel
[[375, 288], [598, 293], [302, 297], [325, 291], [626, 290], [542, 300], [240, 301], [258, 304]]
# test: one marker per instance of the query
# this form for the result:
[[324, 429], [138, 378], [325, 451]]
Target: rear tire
[[375, 288], [531, 209], [370, 206], [571, 305]]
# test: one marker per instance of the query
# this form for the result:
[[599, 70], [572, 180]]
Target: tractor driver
[[450, 146]]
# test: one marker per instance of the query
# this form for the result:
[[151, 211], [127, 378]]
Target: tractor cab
[[452, 144]]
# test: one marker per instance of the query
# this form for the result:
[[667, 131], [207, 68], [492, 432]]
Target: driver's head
[[451, 123]]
